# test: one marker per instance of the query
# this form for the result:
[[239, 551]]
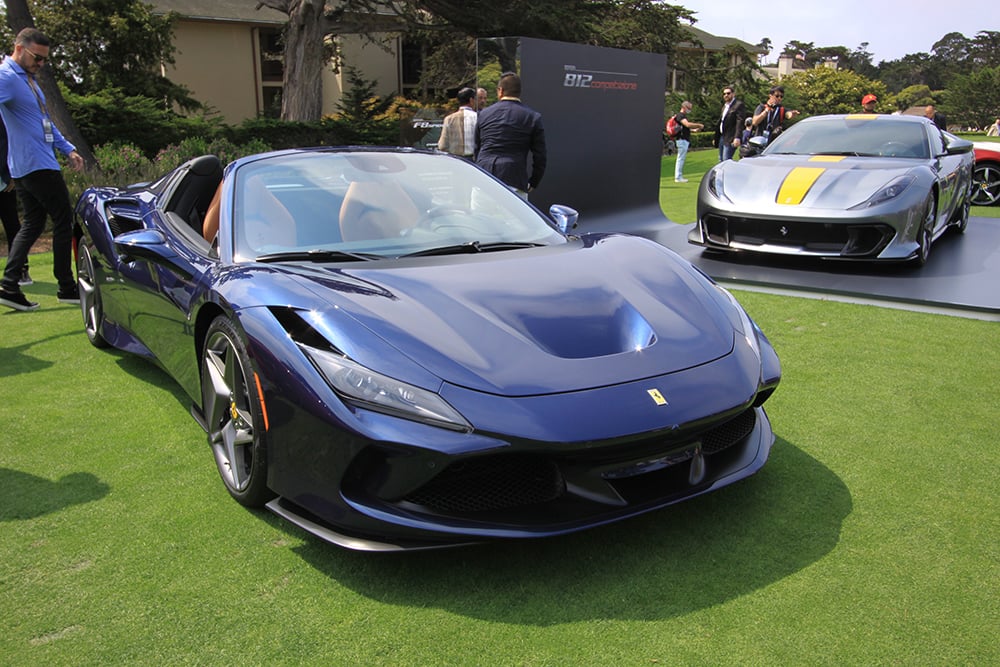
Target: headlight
[[716, 186], [381, 393], [745, 325], [890, 191]]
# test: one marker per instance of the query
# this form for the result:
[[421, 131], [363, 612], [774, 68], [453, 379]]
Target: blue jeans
[[726, 151], [42, 193], [682, 153]]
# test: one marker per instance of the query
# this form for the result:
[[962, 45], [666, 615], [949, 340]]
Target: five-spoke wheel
[[232, 409], [90, 297], [986, 185]]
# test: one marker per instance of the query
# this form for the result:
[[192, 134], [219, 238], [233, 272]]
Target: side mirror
[[149, 245], [564, 216]]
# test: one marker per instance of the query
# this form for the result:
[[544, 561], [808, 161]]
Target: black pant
[[42, 193], [8, 215]]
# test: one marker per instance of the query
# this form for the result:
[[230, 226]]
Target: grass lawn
[[870, 537]]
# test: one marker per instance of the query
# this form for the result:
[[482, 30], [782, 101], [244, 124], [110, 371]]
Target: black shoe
[[17, 301], [25, 278], [69, 295]]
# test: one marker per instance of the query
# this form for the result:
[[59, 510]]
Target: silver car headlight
[[716, 185], [894, 188], [381, 393]]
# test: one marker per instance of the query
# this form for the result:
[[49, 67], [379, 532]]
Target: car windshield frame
[[369, 205], [859, 135]]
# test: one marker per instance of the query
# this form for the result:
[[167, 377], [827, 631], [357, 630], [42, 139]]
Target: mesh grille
[[490, 484], [728, 434]]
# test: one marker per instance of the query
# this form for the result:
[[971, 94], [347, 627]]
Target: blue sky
[[892, 28]]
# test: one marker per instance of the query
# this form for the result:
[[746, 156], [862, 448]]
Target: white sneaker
[[680, 180]]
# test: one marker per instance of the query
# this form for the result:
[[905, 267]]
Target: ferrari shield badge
[[657, 396]]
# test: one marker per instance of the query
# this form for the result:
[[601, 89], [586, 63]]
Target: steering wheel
[[893, 149], [431, 220]]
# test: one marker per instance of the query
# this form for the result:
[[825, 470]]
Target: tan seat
[[266, 221], [376, 210], [210, 227]]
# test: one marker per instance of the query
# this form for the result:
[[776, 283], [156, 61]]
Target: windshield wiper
[[317, 255], [473, 247]]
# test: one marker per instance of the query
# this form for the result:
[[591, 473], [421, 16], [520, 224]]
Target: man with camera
[[769, 116]]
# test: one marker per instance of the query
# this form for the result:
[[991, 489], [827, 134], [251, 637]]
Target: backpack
[[673, 127]]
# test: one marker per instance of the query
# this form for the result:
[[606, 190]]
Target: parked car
[[986, 175], [860, 187], [392, 350]]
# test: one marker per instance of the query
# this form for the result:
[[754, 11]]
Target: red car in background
[[986, 174]]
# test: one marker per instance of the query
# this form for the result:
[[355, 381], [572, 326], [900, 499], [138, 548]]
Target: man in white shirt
[[458, 136]]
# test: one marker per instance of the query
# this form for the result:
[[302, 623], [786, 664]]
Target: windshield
[[861, 135], [367, 205]]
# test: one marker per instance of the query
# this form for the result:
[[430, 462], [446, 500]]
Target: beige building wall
[[374, 63], [218, 63]]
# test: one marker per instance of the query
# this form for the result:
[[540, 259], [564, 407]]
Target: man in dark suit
[[506, 132], [730, 128]]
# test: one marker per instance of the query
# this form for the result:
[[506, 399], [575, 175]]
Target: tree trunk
[[18, 18], [302, 93]]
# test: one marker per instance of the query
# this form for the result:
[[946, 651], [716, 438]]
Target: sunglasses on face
[[38, 59]]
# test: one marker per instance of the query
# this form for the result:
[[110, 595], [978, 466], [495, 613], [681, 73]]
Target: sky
[[892, 28]]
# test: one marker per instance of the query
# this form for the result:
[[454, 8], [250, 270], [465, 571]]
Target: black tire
[[90, 297], [233, 414], [963, 214], [925, 235]]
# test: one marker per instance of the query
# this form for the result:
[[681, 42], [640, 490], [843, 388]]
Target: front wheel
[[925, 235], [90, 298], [233, 414]]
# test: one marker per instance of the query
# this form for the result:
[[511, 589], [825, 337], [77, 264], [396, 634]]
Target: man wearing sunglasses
[[768, 118], [41, 189]]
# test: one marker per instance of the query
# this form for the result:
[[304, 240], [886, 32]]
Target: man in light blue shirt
[[33, 138]]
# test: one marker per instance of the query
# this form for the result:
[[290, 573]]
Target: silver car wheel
[[90, 297], [985, 185], [231, 410], [925, 234]]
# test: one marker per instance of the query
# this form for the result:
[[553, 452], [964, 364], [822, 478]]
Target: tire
[[925, 235], [962, 223], [233, 415], [90, 298], [986, 185]]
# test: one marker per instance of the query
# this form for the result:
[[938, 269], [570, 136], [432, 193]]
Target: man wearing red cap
[[868, 103]]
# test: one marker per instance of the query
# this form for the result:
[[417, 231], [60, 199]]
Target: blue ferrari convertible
[[392, 350]]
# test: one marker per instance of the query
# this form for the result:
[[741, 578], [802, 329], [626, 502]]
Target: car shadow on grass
[[667, 563]]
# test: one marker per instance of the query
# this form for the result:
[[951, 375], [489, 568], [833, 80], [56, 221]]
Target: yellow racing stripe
[[796, 185], [826, 158]]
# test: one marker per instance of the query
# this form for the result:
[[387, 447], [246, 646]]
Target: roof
[[715, 42], [238, 11]]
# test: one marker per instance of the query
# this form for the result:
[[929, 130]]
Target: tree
[[105, 44], [974, 99], [19, 18], [825, 90], [638, 24]]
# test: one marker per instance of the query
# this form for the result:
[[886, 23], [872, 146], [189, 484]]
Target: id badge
[[47, 127]]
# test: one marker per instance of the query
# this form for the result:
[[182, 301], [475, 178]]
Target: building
[[703, 45], [230, 57]]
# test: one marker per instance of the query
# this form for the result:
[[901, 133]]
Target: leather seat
[[266, 221], [376, 210]]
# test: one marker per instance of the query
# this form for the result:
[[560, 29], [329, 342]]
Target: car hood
[[819, 182], [589, 313]]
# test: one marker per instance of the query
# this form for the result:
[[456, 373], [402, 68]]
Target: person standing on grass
[[8, 203], [683, 139], [33, 139]]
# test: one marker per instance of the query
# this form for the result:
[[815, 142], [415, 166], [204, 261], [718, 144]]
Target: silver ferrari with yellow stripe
[[862, 187]]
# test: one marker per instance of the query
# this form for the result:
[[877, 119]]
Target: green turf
[[870, 537]]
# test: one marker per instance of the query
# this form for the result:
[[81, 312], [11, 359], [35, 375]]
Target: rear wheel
[[986, 185], [233, 415], [90, 297]]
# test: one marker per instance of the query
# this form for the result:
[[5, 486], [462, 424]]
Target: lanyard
[[38, 98]]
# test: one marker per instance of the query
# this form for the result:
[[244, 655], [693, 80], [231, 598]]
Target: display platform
[[962, 274]]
